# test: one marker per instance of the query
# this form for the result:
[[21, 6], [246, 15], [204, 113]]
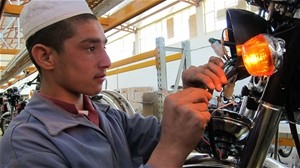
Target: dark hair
[[55, 35]]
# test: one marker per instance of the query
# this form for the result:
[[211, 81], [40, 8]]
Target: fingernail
[[219, 87], [211, 85], [223, 79]]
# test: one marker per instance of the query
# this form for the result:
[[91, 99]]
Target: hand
[[184, 120], [210, 75]]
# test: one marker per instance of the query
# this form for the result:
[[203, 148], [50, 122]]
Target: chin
[[93, 92]]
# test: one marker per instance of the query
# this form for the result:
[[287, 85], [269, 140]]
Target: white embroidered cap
[[38, 14]]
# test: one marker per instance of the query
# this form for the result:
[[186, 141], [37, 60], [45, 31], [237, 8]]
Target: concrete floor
[[290, 162]]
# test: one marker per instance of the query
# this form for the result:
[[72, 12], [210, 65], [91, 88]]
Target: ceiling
[[114, 15]]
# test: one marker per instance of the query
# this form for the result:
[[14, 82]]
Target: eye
[[91, 49]]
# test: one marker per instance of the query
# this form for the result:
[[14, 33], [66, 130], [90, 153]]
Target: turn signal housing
[[262, 54]]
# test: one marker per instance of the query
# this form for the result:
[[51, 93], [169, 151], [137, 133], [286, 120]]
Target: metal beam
[[9, 51], [105, 6], [2, 4], [141, 65], [134, 59], [128, 12], [13, 9], [29, 71], [192, 2]]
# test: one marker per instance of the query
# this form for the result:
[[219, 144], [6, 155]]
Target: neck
[[77, 100], [57, 91]]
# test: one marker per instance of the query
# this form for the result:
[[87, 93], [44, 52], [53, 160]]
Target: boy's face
[[81, 67]]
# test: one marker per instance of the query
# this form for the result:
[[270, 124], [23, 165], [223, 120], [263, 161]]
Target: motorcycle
[[264, 48], [12, 105]]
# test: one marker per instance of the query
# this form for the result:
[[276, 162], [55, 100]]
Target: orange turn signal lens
[[262, 54], [257, 56]]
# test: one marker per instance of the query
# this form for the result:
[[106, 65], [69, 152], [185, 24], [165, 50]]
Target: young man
[[62, 127]]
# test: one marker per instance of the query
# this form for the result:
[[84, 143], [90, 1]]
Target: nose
[[104, 61]]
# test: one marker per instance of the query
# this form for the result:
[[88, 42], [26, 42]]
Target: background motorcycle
[[12, 102], [11, 106]]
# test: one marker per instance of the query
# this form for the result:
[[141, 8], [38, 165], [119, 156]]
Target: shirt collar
[[64, 105], [88, 111], [55, 118]]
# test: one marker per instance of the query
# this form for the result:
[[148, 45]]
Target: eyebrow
[[94, 40]]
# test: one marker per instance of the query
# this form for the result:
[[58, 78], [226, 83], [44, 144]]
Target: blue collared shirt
[[45, 135]]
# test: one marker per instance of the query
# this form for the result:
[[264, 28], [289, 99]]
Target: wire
[[207, 143], [221, 107]]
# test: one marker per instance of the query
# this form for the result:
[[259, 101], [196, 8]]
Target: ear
[[43, 56]]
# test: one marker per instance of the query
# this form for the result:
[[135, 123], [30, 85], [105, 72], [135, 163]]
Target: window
[[193, 26], [170, 28], [215, 12]]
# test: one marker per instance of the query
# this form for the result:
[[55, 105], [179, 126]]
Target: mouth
[[101, 77]]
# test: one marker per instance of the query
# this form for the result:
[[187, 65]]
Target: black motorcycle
[[12, 104], [265, 48]]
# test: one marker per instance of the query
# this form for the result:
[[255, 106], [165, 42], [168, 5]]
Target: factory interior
[[254, 119]]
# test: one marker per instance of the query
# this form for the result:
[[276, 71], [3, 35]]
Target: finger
[[188, 76], [218, 61], [210, 79], [210, 75], [194, 77], [201, 108], [195, 95], [200, 111], [204, 118], [217, 70]]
